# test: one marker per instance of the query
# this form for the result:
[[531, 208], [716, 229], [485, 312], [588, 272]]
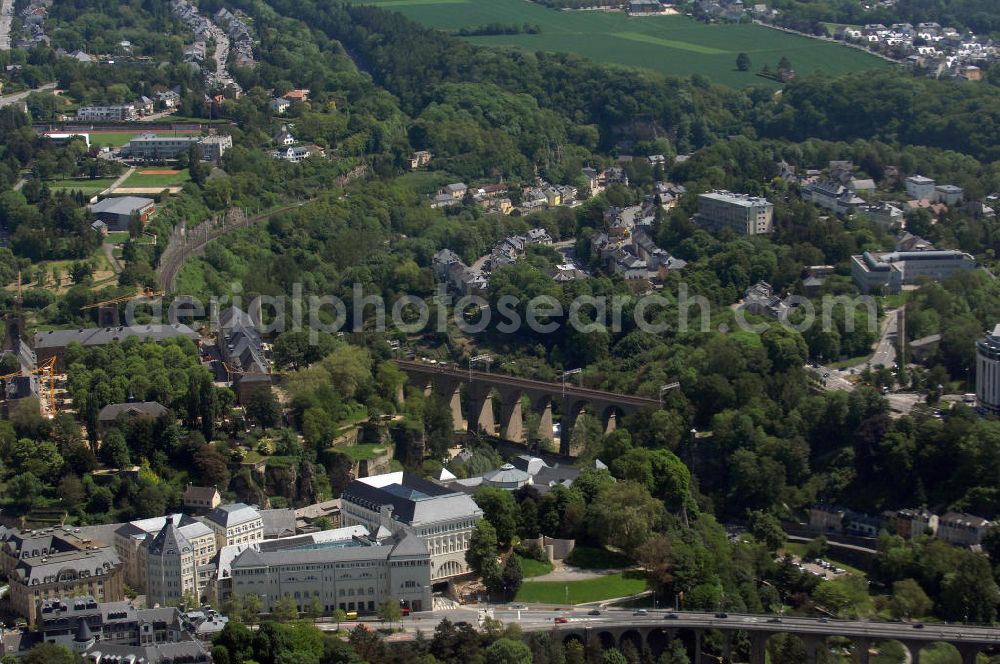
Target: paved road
[[6, 16], [14, 98], [109, 252], [117, 183], [885, 349], [157, 116], [544, 619]]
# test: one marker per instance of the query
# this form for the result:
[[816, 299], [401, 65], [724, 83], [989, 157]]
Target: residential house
[[920, 188], [284, 137], [280, 105], [761, 300], [884, 215], [419, 159], [948, 194], [202, 498], [962, 529], [297, 95], [915, 522], [296, 153], [826, 518], [116, 413], [833, 196]]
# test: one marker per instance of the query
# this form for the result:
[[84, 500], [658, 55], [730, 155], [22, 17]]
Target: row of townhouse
[[955, 528]]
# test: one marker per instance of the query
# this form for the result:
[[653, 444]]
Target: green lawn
[[532, 567], [88, 187], [581, 592], [137, 179], [675, 45], [363, 452], [116, 237]]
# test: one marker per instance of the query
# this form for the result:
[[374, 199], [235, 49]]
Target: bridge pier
[[914, 648], [481, 414], [544, 409], [758, 648], [611, 422], [862, 648], [969, 653], [455, 403], [568, 420], [697, 645], [727, 647], [511, 419], [813, 644]]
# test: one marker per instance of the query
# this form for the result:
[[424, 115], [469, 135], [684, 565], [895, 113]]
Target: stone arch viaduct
[[657, 634], [481, 387]]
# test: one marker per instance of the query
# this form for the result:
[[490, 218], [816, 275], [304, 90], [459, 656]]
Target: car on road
[[673, 616], [721, 614], [774, 620], [561, 620], [918, 626], [593, 612], [640, 612], [824, 619]]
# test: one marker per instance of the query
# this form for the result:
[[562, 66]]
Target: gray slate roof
[[143, 408], [99, 336], [414, 500], [125, 205], [232, 514]]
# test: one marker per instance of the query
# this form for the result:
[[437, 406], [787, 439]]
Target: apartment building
[[740, 213]]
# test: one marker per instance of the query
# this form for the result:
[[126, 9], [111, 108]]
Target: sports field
[[675, 45], [157, 177]]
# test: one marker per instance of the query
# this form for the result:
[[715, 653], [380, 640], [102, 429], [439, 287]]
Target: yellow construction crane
[[149, 292], [48, 370]]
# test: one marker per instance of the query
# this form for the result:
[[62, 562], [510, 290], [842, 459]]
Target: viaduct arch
[[508, 417]]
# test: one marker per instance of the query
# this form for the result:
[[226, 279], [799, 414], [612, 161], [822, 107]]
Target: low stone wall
[[554, 548]]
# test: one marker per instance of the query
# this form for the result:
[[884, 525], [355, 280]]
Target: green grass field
[[363, 452], [137, 179], [675, 45], [88, 187], [581, 592], [532, 567]]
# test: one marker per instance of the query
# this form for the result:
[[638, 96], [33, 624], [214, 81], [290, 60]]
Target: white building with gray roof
[[441, 516], [235, 523], [348, 574]]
